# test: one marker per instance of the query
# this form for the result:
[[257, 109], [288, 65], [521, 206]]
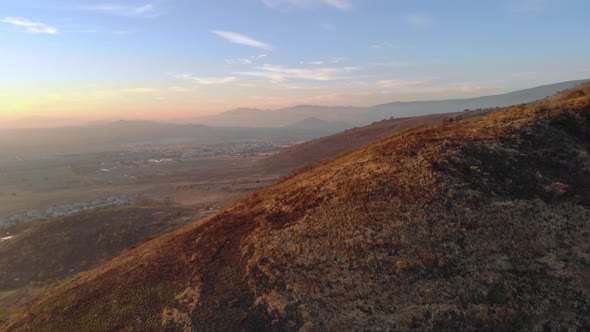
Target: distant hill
[[315, 124], [253, 117], [479, 224], [360, 116], [456, 105]]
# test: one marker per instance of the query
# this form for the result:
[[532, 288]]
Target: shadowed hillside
[[60, 247], [479, 224]]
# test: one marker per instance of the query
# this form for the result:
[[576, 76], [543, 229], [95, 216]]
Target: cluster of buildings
[[67, 210], [144, 155], [232, 149]]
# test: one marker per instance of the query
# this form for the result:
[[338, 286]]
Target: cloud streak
[[30, 26], [280, 74], [147, 10], [343, 5], [315, 63], [245, 61], [240, 39], [207, 80], [340, 4]]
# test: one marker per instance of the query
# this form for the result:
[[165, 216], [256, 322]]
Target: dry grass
[[320, 149]]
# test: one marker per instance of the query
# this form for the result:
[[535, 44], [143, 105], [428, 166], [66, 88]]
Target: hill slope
[[59, 247], [327, 147], [480, 224]]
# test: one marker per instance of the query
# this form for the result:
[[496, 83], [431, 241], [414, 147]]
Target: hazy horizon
[[49, 122], [174, 60]]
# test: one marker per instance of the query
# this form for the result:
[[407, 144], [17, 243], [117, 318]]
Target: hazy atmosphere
[[66, 62], [294, 165]]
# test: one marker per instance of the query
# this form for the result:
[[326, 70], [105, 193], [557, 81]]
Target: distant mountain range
[[357, 116], [297, 123]]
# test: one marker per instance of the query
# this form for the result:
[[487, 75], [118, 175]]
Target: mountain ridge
[[364, 115]]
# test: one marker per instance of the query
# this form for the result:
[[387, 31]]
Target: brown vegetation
[[478, 224], [328, 147]]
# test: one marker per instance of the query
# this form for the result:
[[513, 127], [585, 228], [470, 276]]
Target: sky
[[69, 61]]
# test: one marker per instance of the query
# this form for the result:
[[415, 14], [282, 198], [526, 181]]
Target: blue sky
[[95, 59]]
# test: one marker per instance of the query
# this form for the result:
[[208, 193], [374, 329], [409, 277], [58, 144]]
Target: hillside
[[61, 247], [323, 148], [318, 125], [479, 224], [361, 116]]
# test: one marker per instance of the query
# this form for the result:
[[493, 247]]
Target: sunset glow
[[67, 62]]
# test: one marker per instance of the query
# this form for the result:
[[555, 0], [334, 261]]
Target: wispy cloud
[[239, 61], [337, 60], [418, 20], [344, 5], [288, 86], [396, 84], [384, 45], [238, 38], [147, 10], [245, 61], [340, 4], [280, 74], [322, 62], [30, 26], [316, 63], [207, 80], [144, 9]]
